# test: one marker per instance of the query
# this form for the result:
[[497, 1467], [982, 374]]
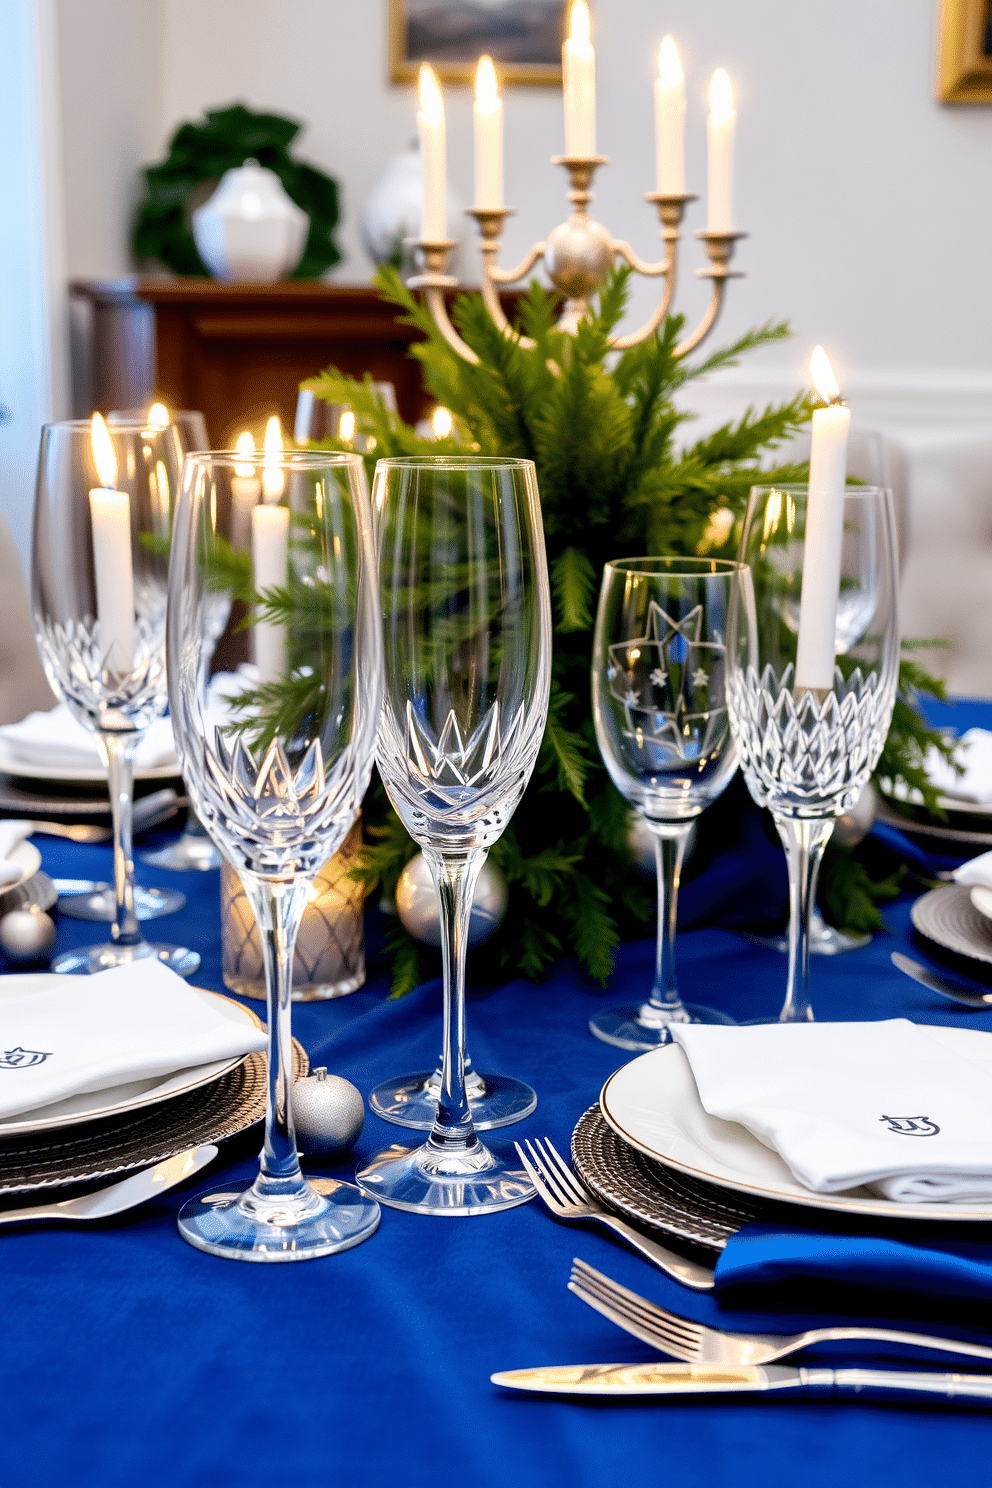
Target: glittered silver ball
[[416, 903], [27, 934], [328, 1114]]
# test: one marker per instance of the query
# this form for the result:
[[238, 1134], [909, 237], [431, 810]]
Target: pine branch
[[573, 581]]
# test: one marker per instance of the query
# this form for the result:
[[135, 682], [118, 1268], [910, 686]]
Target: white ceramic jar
[[250, 231]]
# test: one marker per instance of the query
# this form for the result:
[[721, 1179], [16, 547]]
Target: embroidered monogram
[[912, 1126], [22, 1058]]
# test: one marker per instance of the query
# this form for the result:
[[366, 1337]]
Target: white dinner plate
[[14, 765], [96, 1104], [905, 795], [653, 1104]]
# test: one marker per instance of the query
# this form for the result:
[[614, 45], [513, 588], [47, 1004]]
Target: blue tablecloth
[[130, 1359]]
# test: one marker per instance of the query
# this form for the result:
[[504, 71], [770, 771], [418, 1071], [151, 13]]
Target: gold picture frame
[[964, 70], [523, 37]]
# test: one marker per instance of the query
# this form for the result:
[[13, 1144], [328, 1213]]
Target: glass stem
[[455, 879], [278, 910], [670, 840], [804, 841], [119, 751]]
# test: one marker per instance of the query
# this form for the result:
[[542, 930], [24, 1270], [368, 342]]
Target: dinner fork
[[568, 1200], [693, 1343]]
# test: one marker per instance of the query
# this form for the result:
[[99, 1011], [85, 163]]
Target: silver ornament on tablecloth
[[416, 903], [328, 1113], [27, 934]]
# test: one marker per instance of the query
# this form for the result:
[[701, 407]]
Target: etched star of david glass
[[807, 752], [659, 706], [467, 626], [276, 755]]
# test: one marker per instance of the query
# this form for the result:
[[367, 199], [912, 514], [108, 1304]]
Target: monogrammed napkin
[[91, 1033], [975, 754], [57, 741], [846, 1104]]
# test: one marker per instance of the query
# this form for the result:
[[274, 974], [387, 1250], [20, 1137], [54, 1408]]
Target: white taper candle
[[578, 62], [817, 645], [720, 136], [430, 126], [669, 120], [113, 569]]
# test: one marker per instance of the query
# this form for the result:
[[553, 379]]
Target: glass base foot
[[90, 959], [100, 905], [190, 853], [426, 1180], [824, 940], [625, 1026], [225, 1222], [494, 1100]]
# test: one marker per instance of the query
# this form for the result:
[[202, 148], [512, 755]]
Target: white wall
[[32, 262]]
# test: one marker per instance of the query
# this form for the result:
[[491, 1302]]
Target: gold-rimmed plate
[[652, 1103], [117, 1100]]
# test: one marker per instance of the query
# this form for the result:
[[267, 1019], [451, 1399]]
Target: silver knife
[[597, 1381]]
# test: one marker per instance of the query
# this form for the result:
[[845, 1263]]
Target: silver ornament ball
[[27, 934], [416, 903], [328, 1114]]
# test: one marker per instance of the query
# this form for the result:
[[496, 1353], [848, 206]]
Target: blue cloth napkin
[[765, 1255]]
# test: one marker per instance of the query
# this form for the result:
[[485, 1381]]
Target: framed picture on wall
[[964, 72], [523, 37]]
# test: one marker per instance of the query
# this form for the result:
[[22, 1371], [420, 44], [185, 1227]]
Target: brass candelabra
[[577, 255]]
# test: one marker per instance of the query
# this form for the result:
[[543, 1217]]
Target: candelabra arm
[[489, 221], [439, 313], [720, 248], [670, 212], [510, 276], [641, 266], [434, 281]]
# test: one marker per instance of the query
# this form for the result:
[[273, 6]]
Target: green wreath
[[203, 152]]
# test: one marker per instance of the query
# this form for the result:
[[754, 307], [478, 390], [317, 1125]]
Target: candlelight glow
[[158, 416], [273, 478], [486, 86], [721, 95], [670, 64], [442, 423], [579, 28], [431, 103], [103, 452], [245, 445], [346, 426], [822, 375]]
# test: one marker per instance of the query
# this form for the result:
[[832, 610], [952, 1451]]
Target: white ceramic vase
[[250, 231]]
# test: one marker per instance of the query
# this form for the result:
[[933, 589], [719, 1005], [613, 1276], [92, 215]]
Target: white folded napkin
[[12, 834], [850, 1104], [91, 1033], [975, 753], [976, 871], [56, 740]]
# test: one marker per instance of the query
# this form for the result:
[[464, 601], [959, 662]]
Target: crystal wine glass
[[103, 519], [659, 707], [276, 762], [807, 749], [193, 850], [467, 625]]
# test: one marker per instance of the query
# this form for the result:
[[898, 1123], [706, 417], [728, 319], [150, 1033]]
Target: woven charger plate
[[653, 1195], [105, 1149], [948, 917]]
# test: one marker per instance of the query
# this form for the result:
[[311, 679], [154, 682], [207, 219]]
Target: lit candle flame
[[442, 422], [273, 478], [245, 445], [721, 95], [158, 416], [431, 102], [822, 375], [103, 452], [346, 426], [579, 28], [486, 85], [670, 63]]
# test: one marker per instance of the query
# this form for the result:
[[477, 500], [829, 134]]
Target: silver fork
[[568, 1200], [693, 1343]]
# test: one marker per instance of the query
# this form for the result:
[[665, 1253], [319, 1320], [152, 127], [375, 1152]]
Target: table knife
[[597, 1381]]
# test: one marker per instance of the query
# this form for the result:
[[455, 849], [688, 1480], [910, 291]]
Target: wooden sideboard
[[238, 352]]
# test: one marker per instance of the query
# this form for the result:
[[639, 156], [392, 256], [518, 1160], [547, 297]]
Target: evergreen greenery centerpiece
[[601, 429]]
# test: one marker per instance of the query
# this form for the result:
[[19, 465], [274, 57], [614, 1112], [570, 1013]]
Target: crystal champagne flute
[[277, 761], [467, 625], [659, 708], [807, 751], [102, 529]]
